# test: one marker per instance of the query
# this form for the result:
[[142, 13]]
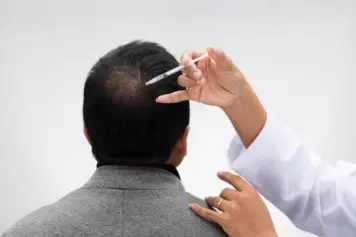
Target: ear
[[185, 138], [183, 142], [86, 134], [179, 151]]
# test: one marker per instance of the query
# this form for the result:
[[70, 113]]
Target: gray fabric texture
[[120, 201]]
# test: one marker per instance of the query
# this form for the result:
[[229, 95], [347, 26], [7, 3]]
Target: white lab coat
[[317, 197]]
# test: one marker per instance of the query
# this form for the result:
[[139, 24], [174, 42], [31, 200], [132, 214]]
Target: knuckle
[[236, 195], [227, 218], [200, 211], [234, 205], [209, 215], [253, 192], [170, 98], [210, 200], [245, 196], [214, 200], [180, 97], [181, 79], [223, 192]]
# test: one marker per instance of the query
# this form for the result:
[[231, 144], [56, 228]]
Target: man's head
[[123, 123]]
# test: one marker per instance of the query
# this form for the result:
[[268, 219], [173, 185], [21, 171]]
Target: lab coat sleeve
[[317, 197]]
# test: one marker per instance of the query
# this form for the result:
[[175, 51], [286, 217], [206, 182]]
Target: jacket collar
[[134, 177]]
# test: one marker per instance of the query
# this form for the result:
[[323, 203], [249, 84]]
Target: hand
[[243, 212], [214, 80], [217, 81]]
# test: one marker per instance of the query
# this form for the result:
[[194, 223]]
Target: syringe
[[174, 70]]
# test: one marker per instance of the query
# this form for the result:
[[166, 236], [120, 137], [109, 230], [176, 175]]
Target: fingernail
[[196, 74], [220, 173], [191, 205]]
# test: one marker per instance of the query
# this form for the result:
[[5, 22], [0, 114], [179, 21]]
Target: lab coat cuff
[[247, 162]]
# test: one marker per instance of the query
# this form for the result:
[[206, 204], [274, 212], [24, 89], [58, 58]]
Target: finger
[[193, 54], [207, 214], [208, 63], [186, 81], [203, 63], [174, 97], [214, 201], [191, 69], [221, 59], [229, 194], [236, 181]]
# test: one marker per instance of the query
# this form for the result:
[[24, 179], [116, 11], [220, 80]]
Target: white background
[[300, 56]]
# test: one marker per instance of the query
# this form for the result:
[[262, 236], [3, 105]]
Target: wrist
[[242, 96], [246, 114]]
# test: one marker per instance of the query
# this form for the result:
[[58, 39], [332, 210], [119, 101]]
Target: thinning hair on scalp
[[123, 121]]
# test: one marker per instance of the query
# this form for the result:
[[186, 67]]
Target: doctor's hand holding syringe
[[269, 156]]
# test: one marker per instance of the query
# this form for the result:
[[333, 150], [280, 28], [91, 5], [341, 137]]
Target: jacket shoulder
[[31, 225], [48, 220], [213, 229]]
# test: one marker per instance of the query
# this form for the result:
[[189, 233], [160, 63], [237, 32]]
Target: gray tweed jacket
[[120, 201]]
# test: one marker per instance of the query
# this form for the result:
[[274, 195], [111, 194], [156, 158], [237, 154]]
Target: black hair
[[122, 119]]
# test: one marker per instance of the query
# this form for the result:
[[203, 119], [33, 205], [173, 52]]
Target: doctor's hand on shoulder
[[242, 211]]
